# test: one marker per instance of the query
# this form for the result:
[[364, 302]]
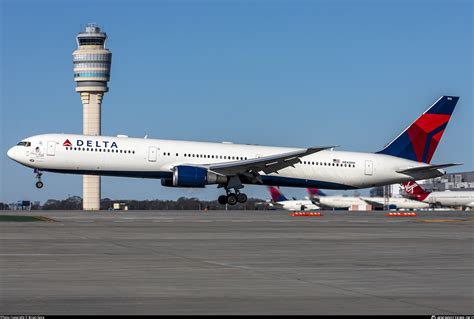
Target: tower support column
[[91, 192], [91, 105]]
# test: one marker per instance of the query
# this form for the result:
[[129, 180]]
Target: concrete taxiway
[[237, 262]]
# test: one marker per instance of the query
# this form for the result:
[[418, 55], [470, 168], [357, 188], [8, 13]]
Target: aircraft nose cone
[[11, 152]]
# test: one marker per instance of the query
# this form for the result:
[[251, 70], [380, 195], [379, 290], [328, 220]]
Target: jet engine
[[193, 176]]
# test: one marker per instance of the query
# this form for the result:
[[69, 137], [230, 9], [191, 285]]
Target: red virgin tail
[[415, 191]]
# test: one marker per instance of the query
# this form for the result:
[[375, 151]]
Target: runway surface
[[239, 262]]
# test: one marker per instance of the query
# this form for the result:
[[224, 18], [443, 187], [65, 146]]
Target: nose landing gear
[[39, 183]]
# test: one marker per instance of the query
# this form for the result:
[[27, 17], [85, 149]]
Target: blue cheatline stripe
[[156, 175], [300, 182], [428, 140], [266, 180]]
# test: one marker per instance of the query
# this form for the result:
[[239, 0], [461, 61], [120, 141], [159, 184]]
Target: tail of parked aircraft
[[415, 191], [313, 192], [277, 196], [418, 142]]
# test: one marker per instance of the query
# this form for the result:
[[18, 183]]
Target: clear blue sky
[[291, 73]]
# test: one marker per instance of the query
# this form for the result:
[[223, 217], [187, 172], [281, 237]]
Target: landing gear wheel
[[222, 199], [39, 184], [241, 198], [231, 199]]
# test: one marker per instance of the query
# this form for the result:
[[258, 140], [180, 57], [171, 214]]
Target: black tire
[[39, 184], [241, 198], [222, 199], [232, 199]]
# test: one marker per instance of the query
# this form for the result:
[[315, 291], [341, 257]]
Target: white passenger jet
[[465, 199], [231, 166], [346, 202], [280, 201], [335, 201]]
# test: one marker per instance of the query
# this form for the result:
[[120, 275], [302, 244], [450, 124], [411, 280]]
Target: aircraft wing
[[427, 171], [316, 201], [371, 202], [267, 164]]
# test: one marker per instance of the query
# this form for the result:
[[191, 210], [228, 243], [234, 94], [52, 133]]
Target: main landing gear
[[39, 183], [232, 198], [235, 197]]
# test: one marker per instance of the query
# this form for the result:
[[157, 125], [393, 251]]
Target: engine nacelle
[[168, 182], [192, 176]]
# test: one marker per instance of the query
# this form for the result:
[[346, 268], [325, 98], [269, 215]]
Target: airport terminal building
[[453, 181]]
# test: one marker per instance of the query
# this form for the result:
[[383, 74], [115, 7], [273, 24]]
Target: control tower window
[[91, 41]]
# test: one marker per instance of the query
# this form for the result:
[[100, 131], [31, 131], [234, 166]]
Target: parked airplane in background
[[230, 166], [280, 201], [440, 199], [346, 202], [394, 203], [333, 202]]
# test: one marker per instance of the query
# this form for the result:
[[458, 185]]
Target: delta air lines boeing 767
[[231, 166]]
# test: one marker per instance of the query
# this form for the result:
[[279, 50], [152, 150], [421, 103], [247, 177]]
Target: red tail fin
[[415, 190], [315, 192], [277, 196]]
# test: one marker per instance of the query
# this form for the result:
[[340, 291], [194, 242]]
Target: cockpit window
[[24, 144]]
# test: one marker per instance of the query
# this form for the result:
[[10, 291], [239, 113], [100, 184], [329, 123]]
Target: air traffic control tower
[[92, 61]]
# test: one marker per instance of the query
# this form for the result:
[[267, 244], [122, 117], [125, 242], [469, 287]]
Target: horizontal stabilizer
[[428, 171]]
